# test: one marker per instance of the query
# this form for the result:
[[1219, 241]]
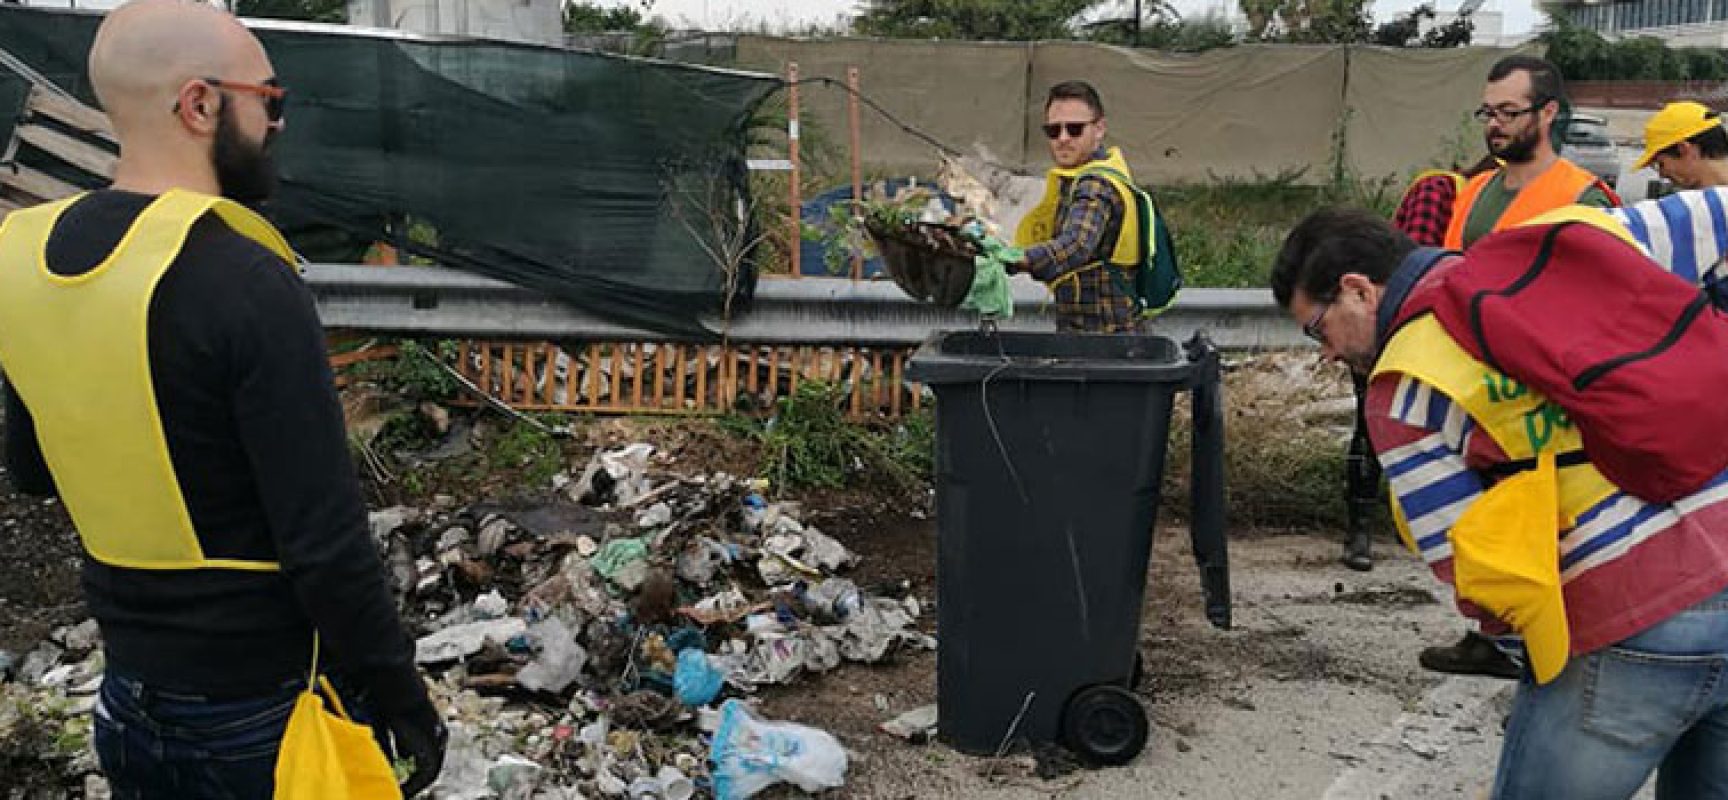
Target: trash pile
[[45, 703], [599, 646]]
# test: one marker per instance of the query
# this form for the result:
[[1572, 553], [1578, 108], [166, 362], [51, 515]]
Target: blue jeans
[[1657, 701], [158, 745]]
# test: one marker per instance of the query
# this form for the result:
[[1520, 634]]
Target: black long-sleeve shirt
[[255, 434]]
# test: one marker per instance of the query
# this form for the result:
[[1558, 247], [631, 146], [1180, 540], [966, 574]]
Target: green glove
[[990, 294]]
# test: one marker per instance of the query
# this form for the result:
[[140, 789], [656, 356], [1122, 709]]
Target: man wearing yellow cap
[[1621, 603], [1686, 143]]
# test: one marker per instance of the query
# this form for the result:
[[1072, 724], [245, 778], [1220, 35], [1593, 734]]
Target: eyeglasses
[[1054, 130], [1311, 328], [275, 96], [1505, 115]]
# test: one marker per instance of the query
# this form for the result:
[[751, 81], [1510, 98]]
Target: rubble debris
[[461, 641], [916, 726], [656, 603], [646, 710], [728, 606], [672, 784], [703, 557], [490, 605], [871, 633], [833, 600], [560, 659], [49, 730], [453, 538], [578, 651], [389, 520], [624, 562], [514, 777], [657, 515], [615, 477], [493, 533], [80, 638], [38, 663], [824, 552]]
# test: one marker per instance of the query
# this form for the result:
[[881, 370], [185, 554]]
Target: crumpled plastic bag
[[697, 681], [624, 562], [560, 661], [751, 753]]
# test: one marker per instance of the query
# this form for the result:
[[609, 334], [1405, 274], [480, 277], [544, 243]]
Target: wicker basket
[[930, 262]]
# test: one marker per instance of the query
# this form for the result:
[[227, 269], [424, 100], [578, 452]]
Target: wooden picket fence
[[690, 379]]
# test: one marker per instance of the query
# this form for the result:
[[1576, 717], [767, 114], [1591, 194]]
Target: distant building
[[1682, 23], [535, 21]]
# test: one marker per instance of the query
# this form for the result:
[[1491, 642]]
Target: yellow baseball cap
[[1675, 123]]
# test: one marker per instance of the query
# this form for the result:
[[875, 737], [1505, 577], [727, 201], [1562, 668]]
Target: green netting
[[578, 174]]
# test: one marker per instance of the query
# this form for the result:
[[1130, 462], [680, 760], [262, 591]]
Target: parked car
[[1588, 146]]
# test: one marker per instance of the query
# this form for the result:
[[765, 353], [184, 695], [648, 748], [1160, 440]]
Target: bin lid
[[971, 356]]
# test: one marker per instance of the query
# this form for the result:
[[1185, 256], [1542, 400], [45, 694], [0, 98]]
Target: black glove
[[406, 717], [421, 737]]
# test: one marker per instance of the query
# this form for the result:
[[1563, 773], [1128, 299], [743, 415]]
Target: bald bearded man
[[167, 378]]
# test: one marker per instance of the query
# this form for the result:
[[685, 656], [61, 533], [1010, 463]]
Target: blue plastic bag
[[750, 754], [696, 681]]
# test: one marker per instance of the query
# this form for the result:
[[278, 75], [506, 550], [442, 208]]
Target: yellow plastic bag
[[1506, 559], [327, 756]]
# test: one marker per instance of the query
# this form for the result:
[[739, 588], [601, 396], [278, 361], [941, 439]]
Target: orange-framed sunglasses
[[274, 94]]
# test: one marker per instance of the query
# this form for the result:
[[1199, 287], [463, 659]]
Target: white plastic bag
[[560, 661], [751, 753]]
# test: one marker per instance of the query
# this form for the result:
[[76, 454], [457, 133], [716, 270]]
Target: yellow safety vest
[[1506, 546], [1039, 224], [76, 349]]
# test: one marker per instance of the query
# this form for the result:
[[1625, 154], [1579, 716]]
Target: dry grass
[[1286, 429]]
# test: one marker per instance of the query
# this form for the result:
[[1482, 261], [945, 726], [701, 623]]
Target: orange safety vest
[[1559, 185]]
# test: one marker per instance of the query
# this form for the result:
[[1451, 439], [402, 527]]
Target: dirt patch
[[896, 543], [39, 570], [1387, 596]]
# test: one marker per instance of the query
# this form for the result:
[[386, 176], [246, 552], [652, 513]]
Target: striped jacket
[[1685, 232], [1626, 564]]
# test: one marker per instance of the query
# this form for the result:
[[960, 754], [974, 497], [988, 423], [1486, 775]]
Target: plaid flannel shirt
[[1088, 299], [1426, 210]]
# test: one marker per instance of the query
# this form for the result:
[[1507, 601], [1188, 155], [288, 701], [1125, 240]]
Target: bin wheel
[[1105, 725]]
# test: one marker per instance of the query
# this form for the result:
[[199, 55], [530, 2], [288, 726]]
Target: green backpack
[[1159, 277]]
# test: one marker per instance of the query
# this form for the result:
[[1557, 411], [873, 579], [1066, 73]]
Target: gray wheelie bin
[[1049, 458]]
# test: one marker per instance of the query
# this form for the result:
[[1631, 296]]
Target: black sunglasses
[[1074, 129]]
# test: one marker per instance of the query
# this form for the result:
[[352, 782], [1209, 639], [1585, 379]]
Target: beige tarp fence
[[961, 93], [1238, 113], [1411, 108], [1187, 118]]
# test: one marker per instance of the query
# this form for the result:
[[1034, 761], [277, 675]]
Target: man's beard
[[245, 172], [1518, 149]]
